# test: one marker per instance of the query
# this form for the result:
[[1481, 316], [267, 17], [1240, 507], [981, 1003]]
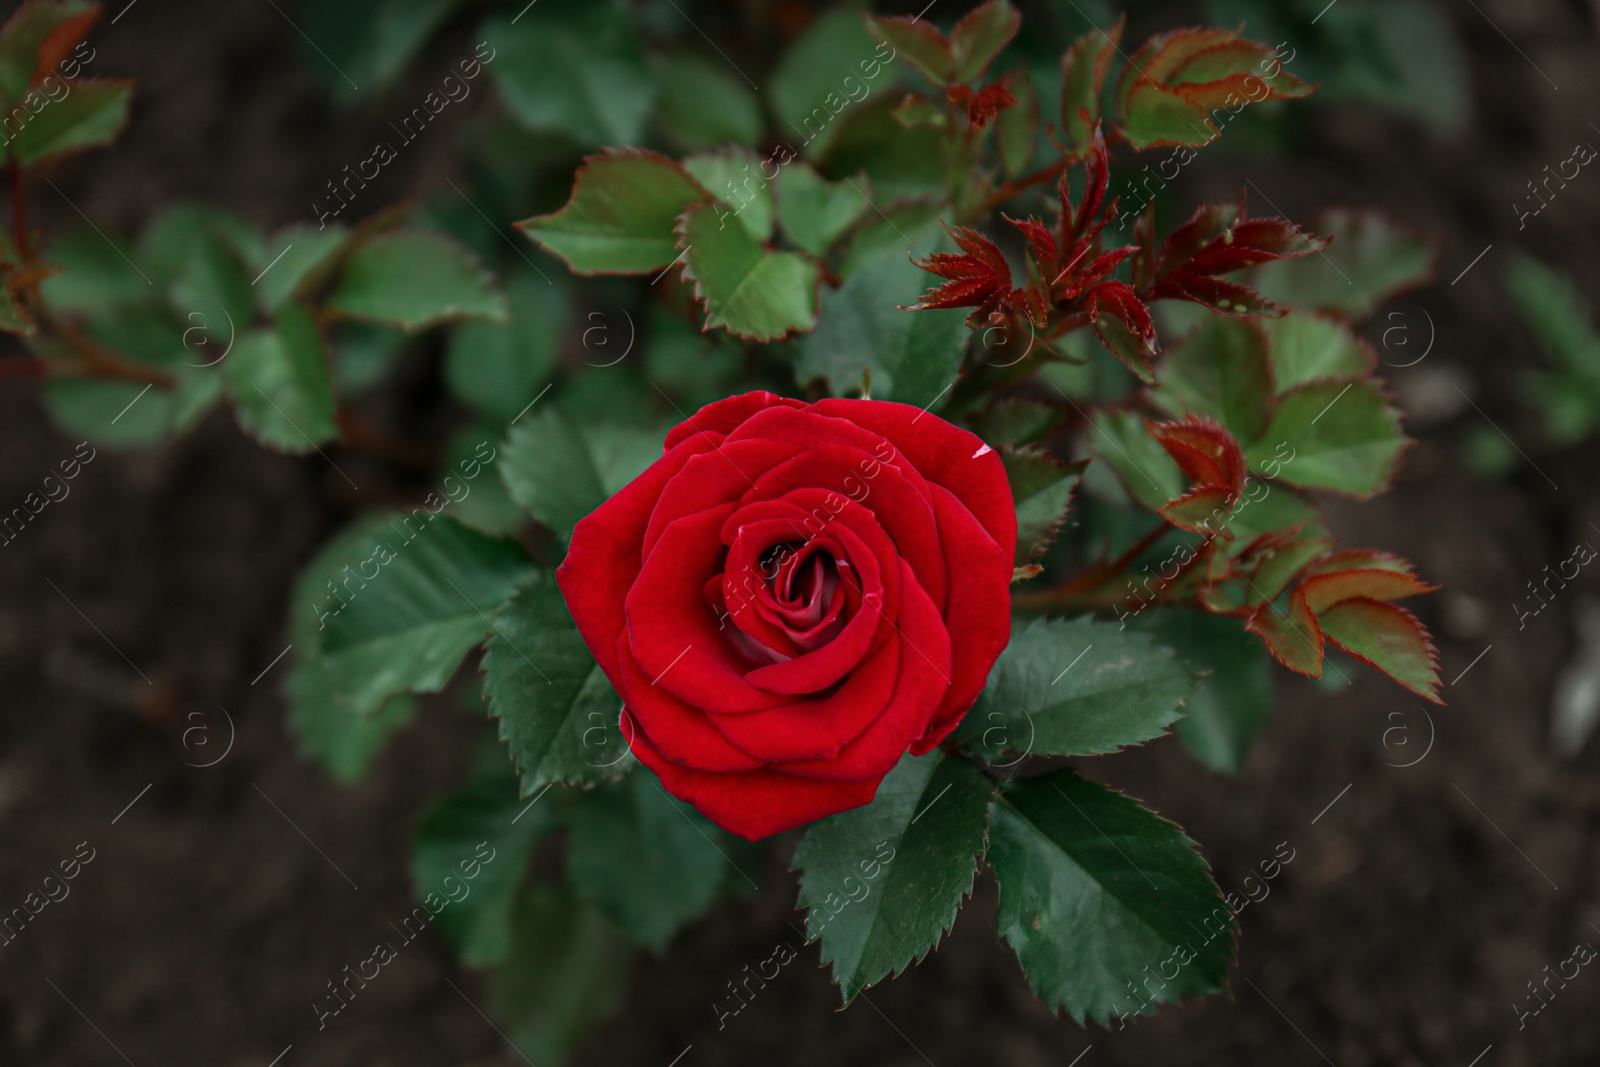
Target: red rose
[[792, 597]]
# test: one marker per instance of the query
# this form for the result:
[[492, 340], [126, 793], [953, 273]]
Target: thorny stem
[[1093, 588], [100, 361], [1017, 185]]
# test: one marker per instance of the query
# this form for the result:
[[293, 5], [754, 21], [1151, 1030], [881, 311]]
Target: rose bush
[[793, 596]]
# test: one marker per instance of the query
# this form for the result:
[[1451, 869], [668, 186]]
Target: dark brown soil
[[1421, 898]]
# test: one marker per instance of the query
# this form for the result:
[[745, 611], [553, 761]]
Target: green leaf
[[415, 606], [1016, 133], [479, 499], [278, 383], [815, 212], [902, 229], [808, 92], [1013, 421], [752, 292], [918, 43], [693, 368], [364, 353], [736, 178], [90, 115], [703, 102], [979, 37], [620, 217], [649, 865], [1076, 687], [1389, 638], [560, 470], [1083, 77], [574, 67], [1042, 487], [557, 712], [1307, 347], [1370, 261], [341, 742], [499, 368], [95, 275], [1234, 701], [1099, 898], [1345, 436], [295, 259], [211, 295], [568, 972], [414, 279], [912, 356], [471, 854], [1222, 370], [931, 814], [370, 41], [1157, 115], [1558, 315], [1150, 474], [167, 244]]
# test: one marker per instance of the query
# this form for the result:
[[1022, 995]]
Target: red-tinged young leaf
[[1292, 636], [920, 42], [980, 36], [1175, 79], [1223, 297], [1203, 511], [22, 39], [1133, 348], [1231, 69], [1156, 116], [978, 277], [1324, 590], [1016, 132], [987, 103], [1275, 569], [1218, 239], [620, 216], [1083, 78], [1155, 60], [1387, 637], [1207, 453], [1364, 559], [60, 42], [1208, 223]]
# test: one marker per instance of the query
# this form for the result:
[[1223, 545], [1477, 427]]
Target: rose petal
[[678, 730], [924, 664], [673, 635], [722, 417], [944, 455], [754, 804], [605, 554], [978, 615]]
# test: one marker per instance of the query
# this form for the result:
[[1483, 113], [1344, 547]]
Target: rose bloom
[[792, 597]]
